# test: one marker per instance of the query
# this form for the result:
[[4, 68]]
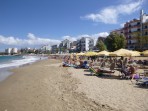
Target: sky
[[34, 23]]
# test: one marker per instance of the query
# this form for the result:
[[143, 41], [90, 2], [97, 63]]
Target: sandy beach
[[45, 86]]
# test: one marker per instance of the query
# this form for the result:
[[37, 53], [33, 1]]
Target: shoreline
[[7, 71]]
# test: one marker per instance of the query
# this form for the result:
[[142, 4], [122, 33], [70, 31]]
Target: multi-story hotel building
[[11, 51], [144, 26], [130, 29], [85, 44], [133, 30], [54, 49]]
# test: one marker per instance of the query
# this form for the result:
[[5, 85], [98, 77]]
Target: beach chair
[[94, 72], [142, 82]]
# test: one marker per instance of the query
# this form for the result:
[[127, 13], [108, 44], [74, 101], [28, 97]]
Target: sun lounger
[[100, 72], [94, 72], [143, 82]]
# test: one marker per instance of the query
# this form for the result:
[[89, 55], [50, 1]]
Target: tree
[[141, 41], [100, 45], [115, 41]]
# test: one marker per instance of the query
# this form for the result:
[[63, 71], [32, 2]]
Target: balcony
[[129, 37], [135, 26]]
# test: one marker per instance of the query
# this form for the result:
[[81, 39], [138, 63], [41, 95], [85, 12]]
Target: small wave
[[19, 62]]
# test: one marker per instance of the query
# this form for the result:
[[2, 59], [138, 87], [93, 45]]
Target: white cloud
[[110, 15], [69, 38], [122, 25], [103, 34], [94, 36], [32, 40], [9, 40]]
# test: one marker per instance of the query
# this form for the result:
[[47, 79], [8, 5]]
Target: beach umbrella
[[135, 53], [71, 55], [90, 53], [80, 54], [121, 52], [145, 53], [103, 53]]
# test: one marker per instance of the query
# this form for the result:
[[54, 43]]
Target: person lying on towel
[[103, 71]]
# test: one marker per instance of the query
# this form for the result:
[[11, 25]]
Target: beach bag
[[136, 76]]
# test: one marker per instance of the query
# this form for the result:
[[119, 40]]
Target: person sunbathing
[[131, 71], [103, 71], [134, 75]]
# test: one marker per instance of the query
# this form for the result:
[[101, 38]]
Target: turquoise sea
[[9, 62]]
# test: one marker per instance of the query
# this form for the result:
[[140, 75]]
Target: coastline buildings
[[54, 49], [135, 32], [45, 49], [130, 29], [73, 46], [11, 51], [85, 44], [66, 46]]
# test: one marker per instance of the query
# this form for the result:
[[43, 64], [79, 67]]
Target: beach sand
[[119, 94], [45, 86]]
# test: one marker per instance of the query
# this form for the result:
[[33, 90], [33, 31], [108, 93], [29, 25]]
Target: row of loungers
[[142, 81]]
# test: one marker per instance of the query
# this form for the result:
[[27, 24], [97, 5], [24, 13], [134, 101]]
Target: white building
[[65, 46], [45, 48], [11, 51], [14, 51], [85, 44], [65, 43], [8, 51]]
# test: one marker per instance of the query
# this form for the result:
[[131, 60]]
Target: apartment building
[[85, 44], [54, 49], [118, 31], [134, 30], [11, 51], [130, 29], [145, 33], [65, 46], [73, 46]]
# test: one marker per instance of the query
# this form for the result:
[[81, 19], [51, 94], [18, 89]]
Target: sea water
[[9, 62]]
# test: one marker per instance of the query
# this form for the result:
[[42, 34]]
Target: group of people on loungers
[[68, 62], [73, 62], [127, 71]]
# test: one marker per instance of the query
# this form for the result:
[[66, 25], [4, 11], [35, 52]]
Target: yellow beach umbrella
[[80, 54], [145, 53], [90, 53], [135, 53], [121, 52], [72, 55], [103, 53]]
